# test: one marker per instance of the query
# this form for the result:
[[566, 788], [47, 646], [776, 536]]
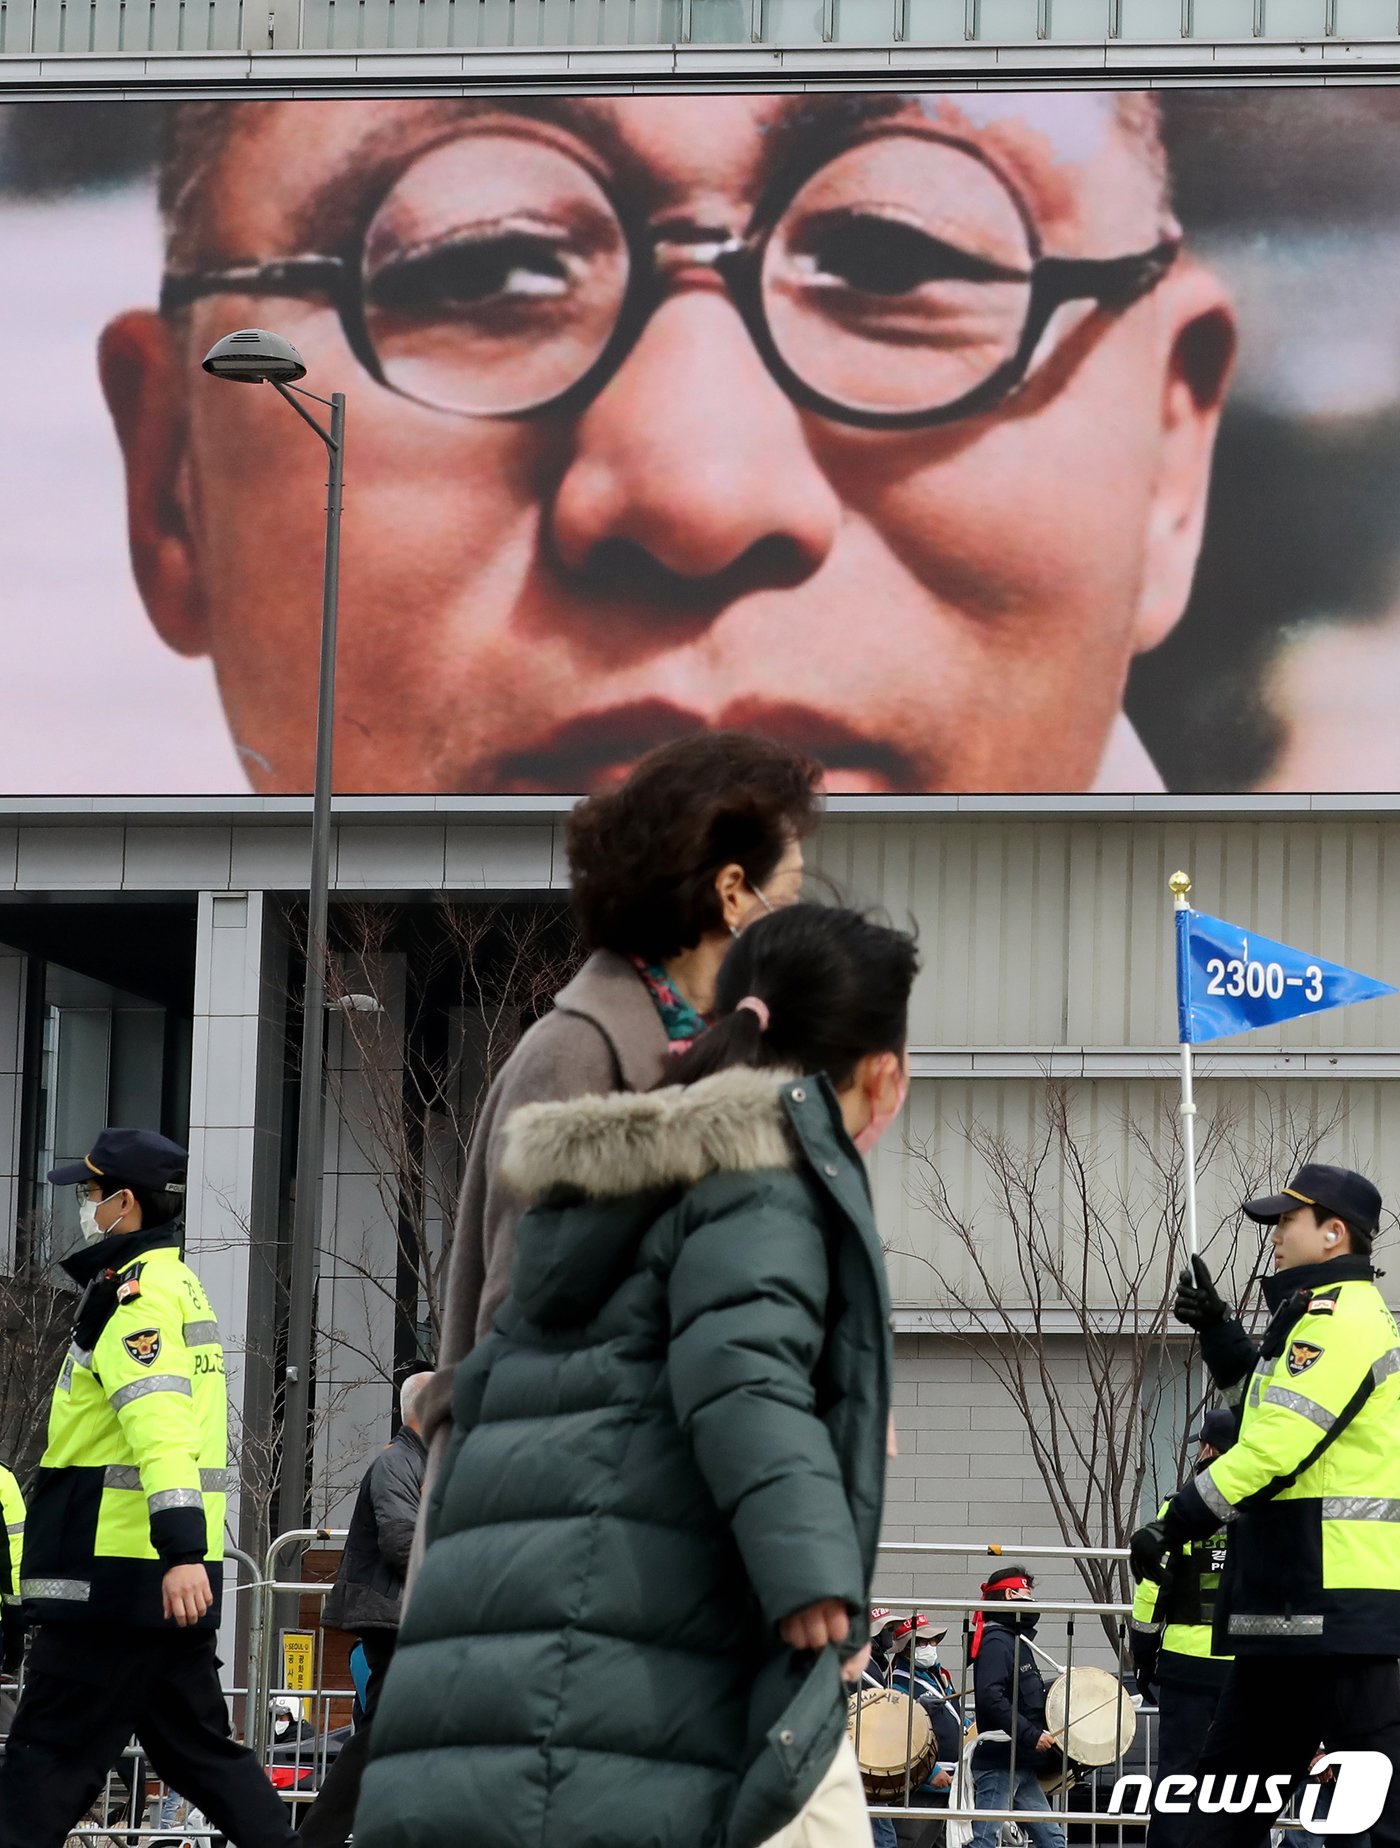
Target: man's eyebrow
[[807, 124], [325, 216]]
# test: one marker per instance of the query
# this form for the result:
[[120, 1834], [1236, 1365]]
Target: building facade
[[150, 955], [1042, 1123]]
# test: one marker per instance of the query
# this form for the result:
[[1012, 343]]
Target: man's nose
[[693, 456]]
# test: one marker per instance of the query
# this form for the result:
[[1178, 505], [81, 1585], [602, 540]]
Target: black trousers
[[332, 1816], [1273, 1714], [88, 1688], [1185, 1711]]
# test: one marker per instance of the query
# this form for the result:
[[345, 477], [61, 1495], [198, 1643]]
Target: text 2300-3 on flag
[[1231, 980]]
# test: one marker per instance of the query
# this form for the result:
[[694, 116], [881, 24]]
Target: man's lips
[[598, 748]]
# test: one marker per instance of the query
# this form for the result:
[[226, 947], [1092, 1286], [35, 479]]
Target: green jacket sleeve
[[1318, 1383], [147, 1373], [748, 1299]]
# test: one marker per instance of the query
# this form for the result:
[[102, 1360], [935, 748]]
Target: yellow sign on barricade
[[298, 1655]]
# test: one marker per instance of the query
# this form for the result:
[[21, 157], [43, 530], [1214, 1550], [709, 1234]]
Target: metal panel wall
[[135, 27], [1052, 933], [1039, 936], [964, 1138]]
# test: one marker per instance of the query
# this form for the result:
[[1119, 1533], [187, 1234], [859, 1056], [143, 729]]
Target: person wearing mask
[[1170, 1638], [367, 1598], [877, 1675], [892, 1639], [123, 1543], [1013, 1748], [701, 839], [1309, 1599], [925, 1680], [666, 1475]]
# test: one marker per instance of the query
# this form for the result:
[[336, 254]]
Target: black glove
[[1142, 1678], [1147, 1552], [1198, 1303]]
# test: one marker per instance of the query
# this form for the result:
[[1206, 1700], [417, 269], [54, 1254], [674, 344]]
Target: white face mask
[[87, 1219], [926, 1655]]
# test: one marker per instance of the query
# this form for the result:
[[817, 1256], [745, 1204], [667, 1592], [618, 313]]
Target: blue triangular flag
[[1231, 980]]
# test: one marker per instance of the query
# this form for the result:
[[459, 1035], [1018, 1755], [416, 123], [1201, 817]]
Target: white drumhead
[[1090, 1713]]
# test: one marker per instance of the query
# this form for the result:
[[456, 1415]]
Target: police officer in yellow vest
[[11, 1543], [1173, 1653], [124, 1537], [1309, 1601]]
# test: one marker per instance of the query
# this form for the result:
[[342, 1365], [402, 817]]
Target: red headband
[[1021, 1583]]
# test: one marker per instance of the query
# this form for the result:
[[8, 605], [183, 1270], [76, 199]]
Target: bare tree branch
[[1066, 1235]]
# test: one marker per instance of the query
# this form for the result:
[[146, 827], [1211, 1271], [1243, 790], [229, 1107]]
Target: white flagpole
[[1180, 884]]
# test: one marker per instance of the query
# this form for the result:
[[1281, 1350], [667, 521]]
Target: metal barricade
[[128, 1814], [297, 1766], [1083, 1804], [134, 1806]]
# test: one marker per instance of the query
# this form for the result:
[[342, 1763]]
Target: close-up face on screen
[[975, 442]]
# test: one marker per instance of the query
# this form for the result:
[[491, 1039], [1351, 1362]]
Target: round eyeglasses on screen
[[899, 286]]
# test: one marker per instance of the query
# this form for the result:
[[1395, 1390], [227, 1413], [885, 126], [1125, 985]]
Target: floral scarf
[[682, 1022]]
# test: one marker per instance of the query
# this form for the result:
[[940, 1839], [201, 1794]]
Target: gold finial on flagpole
[[1180, 884]]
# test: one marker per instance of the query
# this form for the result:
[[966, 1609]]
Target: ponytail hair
[[811, 989]]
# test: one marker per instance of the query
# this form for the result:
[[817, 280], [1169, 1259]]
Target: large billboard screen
[[976, 441]]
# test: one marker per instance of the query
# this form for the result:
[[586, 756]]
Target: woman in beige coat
[[665, 870]]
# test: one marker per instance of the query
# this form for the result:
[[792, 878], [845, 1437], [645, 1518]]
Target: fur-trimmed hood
[[594, 1167], [630, 1143]]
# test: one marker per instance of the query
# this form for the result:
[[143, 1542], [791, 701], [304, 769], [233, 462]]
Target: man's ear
[[142, 363], [1199, 364]]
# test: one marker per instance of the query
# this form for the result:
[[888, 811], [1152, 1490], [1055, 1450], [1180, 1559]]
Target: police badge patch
[[144, 1346], [1301, 1355]]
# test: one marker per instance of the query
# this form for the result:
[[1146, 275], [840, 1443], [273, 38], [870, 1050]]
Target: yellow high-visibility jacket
[[12, 1519], [134, 1477], [1311, 1491], [1170, 1628]]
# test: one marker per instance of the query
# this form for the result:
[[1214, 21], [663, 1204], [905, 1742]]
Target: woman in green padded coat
[[651, 1544]]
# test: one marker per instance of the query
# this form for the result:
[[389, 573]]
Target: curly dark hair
[[643, 858]]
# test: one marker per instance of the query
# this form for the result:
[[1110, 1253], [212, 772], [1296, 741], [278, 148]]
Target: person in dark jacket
[[1173, 1650], [367, 1598], [915, 1669], [1013, 1748], [651, 1543]]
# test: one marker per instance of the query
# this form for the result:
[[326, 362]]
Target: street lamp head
[[253, 356]]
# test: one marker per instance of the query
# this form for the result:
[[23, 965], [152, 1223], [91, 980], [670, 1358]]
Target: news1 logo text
[[1358, 1787]]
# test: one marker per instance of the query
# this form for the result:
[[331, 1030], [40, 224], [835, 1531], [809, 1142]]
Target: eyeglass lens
[[495, 271]]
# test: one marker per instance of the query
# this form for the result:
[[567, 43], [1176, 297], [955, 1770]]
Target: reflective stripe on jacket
[[12, 1518], [1311, 1492], [134, 1476], [1171, 1622]]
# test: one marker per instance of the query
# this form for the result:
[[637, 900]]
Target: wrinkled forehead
[[1088, 173]]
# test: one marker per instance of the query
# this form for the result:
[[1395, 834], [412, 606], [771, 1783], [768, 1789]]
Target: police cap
[[129, 1158], [1219, 1428], [1336, 1190]]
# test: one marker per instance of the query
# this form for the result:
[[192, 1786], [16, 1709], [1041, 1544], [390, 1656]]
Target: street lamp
[[254, 356]]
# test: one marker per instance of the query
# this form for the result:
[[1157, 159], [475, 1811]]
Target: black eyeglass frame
[[1114, 284]]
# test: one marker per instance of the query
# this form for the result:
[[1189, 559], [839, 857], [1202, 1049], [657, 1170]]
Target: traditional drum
[[1093, 1720], [894, 1741]]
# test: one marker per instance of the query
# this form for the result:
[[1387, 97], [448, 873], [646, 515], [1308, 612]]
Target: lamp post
[[254, 356]]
